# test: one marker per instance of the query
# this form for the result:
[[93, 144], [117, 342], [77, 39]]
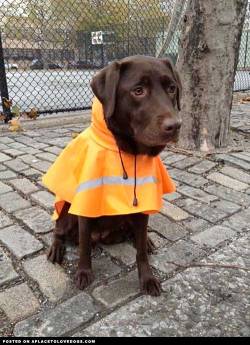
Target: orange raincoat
[[89, 175]]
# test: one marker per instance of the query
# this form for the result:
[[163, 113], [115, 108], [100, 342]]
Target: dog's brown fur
[[141, 99]]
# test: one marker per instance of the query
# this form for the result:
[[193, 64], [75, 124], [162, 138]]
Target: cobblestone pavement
[[207, 221]]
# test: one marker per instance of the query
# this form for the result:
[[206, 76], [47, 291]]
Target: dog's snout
[[171, 126]]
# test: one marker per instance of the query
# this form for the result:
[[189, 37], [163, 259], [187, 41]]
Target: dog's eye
[[171, 88], [138, 91]]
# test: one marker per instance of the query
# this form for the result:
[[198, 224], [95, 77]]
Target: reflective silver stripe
[[114, 180]]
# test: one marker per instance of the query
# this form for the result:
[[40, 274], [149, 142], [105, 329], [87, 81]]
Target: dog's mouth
[[158, 138], [163, 141], [171, 139]]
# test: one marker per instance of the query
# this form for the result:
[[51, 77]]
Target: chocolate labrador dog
[[141, 99]]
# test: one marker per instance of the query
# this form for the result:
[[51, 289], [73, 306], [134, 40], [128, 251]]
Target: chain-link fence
[[52, 48], [242, 78]]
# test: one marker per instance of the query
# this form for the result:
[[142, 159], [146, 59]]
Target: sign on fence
[[97, 37]]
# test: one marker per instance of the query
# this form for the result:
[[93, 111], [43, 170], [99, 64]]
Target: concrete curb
[[54, 120]]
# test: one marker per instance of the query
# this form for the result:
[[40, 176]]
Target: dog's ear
[[104, 86], [177, 79]]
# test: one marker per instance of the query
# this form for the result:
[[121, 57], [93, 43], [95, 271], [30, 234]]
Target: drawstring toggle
[[125, 175], [135, 202]]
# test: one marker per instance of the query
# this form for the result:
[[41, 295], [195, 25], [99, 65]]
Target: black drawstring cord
[[135, 202], [125, 175]]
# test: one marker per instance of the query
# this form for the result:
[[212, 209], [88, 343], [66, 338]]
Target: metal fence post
[[3, 83]]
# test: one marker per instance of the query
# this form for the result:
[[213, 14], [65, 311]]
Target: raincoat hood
[[100, 132], [97, 179]]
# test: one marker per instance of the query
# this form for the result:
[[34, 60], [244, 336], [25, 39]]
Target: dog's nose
[[171, 126]]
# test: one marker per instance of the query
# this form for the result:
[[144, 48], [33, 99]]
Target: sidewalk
[[206, 221]]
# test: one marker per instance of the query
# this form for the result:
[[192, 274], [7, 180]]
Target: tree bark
[[207, 64]]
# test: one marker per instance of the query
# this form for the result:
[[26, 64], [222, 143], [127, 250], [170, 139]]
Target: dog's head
[[141, 98]]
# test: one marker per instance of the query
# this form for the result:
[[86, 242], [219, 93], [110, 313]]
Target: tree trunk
[[207, 64]]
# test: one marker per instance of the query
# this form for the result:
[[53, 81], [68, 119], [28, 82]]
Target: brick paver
[[233, 160], [213, 236], [173, 211], [18, 302], [236, 174], [202, 167], [60, 320], [4, 188], [16, 165], [229, 194], [43, 198], [118, 291], [4, 220], [11, 202], [23, 185], [124, 252], [7, 271], [182, 252], [186, 163], [36, 219], [19, 241], [202, 210], [52, 280], [167, 228], [193, 180], [227, 181], [4, 157]]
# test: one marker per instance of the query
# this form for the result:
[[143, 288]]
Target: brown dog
[[141, 98]]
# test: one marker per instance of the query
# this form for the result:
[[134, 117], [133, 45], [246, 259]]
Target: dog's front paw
[[150, 286], [56, 253], [83, 278]]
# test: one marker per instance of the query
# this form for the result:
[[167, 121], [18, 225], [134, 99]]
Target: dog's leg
[[148, 283], [150, 245], [84, 274], [57, 249]]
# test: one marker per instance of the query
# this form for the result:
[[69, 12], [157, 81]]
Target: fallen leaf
[[15, 125], [7, 103], [32, 114], [15, 110], [2, 117], [74, 134], [245, 100]]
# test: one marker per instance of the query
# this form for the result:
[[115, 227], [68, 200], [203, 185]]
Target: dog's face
[[141, 95]]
